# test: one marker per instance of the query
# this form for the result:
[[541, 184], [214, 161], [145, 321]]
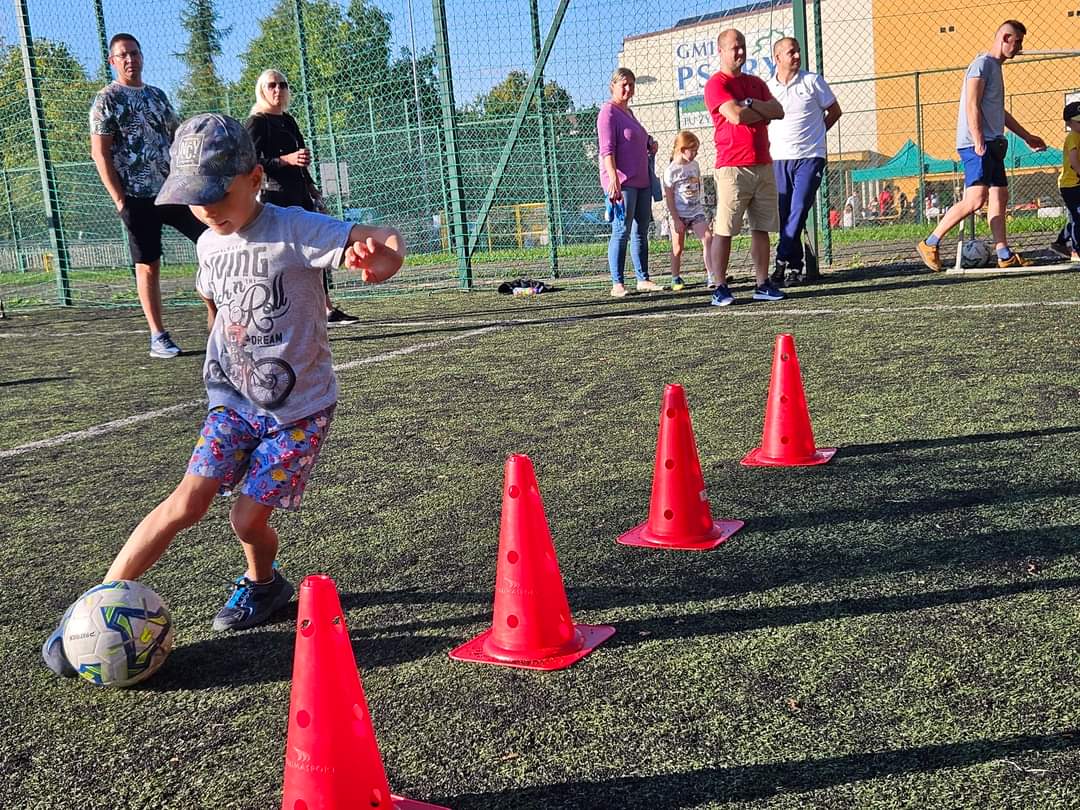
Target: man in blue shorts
[[980, 140]]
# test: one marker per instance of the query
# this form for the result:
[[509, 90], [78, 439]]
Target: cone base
[[756, 458], [401, 803], [721, 530], [592, 634]]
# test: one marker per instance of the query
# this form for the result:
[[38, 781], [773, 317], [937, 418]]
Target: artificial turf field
[[898, 628]]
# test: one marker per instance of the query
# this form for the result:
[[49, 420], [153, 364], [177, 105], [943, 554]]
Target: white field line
[[127, 421]]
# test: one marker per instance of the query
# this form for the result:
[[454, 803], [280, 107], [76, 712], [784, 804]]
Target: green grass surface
[[898, 628]]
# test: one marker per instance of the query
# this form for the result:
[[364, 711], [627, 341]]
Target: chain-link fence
[[472, 126]]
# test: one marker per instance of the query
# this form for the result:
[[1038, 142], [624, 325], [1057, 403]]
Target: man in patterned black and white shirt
[[131, 129]]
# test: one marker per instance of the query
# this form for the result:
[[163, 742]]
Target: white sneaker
[[618, 291], [648, 286]]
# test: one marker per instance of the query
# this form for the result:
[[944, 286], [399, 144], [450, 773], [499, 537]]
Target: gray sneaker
[[252, 604], [163, 346]]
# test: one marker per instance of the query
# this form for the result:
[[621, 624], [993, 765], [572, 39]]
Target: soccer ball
[[975, 253], [118, 634]]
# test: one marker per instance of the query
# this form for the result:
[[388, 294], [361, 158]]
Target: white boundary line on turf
[[119, 424]]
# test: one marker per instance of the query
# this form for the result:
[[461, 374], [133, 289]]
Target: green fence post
[[334, 158], [555, 178], [309, 104], [103, 39], [10, 206], [798, 22], [920, 208], [553, 213], [456, 227], [823, 191], [45, 165]]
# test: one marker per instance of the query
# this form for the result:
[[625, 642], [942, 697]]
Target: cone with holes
[[679, 515], [332, 761], [532, 627], [788, 439]]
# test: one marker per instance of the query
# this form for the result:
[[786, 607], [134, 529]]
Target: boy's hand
[[375, 260]]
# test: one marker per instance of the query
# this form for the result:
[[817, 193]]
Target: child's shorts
[[690, 222], [268, 462]]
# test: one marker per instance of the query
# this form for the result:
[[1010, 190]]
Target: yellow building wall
[[908, 37]]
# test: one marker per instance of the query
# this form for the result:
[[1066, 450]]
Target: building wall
[[917, 42]]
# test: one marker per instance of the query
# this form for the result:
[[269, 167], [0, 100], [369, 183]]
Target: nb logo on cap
[[189, 152]]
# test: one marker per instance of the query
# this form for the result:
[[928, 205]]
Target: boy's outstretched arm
[[376, 252]]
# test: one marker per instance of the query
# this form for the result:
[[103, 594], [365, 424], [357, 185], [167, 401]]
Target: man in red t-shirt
[[741, 107]]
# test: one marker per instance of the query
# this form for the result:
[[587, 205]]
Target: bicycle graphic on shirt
[[266, 382]]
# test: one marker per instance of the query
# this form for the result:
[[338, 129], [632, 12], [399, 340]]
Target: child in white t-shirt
[[682, 192]]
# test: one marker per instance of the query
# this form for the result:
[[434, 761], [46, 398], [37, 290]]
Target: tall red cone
[[332, 761], [532, 627], [788, 439], [679, 515]]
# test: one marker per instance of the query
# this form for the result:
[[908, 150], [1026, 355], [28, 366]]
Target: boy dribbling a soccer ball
[[268, 370]]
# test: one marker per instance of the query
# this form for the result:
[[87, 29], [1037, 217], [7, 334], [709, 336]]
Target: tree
[[503, 99], [202, 90]]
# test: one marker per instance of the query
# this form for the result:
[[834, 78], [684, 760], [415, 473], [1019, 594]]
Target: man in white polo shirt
[[797, 146]]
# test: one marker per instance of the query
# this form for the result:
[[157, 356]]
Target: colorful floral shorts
[[254, 455]]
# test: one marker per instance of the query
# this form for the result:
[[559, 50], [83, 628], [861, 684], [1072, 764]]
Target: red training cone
[[332, 761], [788, 439], [679, 515], [532, 627]]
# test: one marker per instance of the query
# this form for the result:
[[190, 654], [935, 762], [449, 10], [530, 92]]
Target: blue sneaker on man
[[767, 292], [162, 346], [253, 603], [722, 297], [52, 651]]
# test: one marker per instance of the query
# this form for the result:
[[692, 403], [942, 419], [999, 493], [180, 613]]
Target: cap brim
[[192, 189]]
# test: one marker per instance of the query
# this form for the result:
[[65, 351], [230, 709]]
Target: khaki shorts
[[745, 189]]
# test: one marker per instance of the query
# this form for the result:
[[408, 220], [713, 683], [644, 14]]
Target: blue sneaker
[[767, 292], [677, 283], [253, 603], [162, 346], [722, 297], [52, 651]]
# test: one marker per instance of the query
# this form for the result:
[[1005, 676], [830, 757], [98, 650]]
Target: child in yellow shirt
[[1068, 240]]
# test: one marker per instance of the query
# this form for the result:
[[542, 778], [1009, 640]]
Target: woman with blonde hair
[[280, 150], [625, 148]]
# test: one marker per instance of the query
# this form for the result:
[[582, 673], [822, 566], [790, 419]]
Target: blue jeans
[[635, 228], [797, 182]]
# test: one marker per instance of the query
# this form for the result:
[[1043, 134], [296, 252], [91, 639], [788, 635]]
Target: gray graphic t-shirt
[[142, 122], [991, 105], [268, 352], [685, 180]]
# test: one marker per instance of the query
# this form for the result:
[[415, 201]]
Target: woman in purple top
[[625, 147]]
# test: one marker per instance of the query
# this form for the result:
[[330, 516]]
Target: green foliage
[[66, 91], [202, 90], [503, 99]]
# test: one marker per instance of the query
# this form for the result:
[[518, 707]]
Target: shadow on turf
[[747, 783], [33, 381], [266, 656], [743, 619], [853, 450]]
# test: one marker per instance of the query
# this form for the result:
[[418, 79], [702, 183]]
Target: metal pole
[[41, 146], [455, 179], [334, 158], [920, 208], [309, 105], [99, 11], [552, 212], [555, 178], [823, 191]]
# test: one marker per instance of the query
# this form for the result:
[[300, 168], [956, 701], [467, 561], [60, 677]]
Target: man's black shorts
[[143, 221]]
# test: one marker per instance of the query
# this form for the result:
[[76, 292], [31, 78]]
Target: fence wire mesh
[[414, 113]]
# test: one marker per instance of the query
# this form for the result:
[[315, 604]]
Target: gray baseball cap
[[207, 152]]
